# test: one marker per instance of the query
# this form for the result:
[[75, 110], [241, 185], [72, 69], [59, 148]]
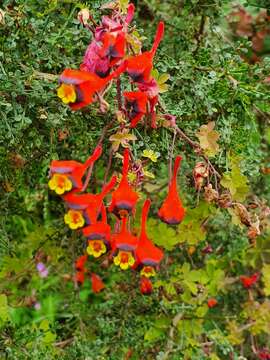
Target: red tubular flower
[[130, 13], [80, 277], [98, 235], [93, 62], [136, 102], [147, 254], [80, 262], [67, 175], [248, 281], [212, 302], [125, 243], [99, 230], [172, 211], [78, 87], [139, 67], [124, 198], [146, 287], [97, 283], [264, 354], [90, 204], [113, 46]]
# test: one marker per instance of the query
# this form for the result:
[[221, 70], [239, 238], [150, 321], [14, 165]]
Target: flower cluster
[[88, 213], [111, 53], [106, 58]]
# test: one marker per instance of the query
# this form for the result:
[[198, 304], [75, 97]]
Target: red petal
[[97, 283]]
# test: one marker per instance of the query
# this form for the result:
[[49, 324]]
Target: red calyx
[[101, 230], [248, 281], [80, 262], [80, 277], [97, 283], [212, 302], [139, 67], [172, 211], [147, 253], [74, 169], [124, 198], [87, 84], [124, 240], [114, 46], [146, 287], [136, 102], [91, 203]]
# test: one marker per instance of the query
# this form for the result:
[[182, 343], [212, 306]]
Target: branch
[[199, 34], [89, 173]]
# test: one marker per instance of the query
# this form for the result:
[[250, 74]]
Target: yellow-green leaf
[[150, 154], [121, 138], [4, 314], [266, 278], [208, 138], [236, 182]]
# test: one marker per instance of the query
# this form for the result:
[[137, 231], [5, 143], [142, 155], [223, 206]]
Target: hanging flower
[[248, 281], [97, 283], [125, 243], [60, 183], [148, 271], [172, 211], [146, 286], [80, 277], [124, 198], [80, 262], [124, 259], [96, 248], [98, 236], [77, 87], [212, 302], [139, 67], [136, 102], [90, 205], [113, 46], [147, 254], [67, 175]]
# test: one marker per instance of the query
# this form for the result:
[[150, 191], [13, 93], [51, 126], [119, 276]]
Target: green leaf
[[162, 234], [153, 334], [236, 182], [4, 312], [266, 278], [49, 337]]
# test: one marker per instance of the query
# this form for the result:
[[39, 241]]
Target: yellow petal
[[52, 184], [124, 266], [59, 191]]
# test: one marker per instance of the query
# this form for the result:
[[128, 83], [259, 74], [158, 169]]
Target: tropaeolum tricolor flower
[[123, 247], [172, 211], [66, 175], [109, 55], [148, 256], [98, 235], [139, 67], [124, 198], [249, 281], [77, 88], [88, 205]]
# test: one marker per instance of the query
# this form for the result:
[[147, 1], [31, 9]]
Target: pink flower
[[42, 270], [93, 62]]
